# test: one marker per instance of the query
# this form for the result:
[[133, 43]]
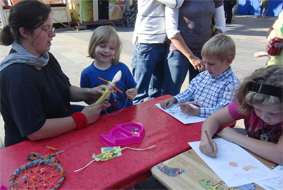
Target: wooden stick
[[210, 142]]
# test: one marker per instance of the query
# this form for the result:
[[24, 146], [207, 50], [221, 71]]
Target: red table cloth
[[170, 136]]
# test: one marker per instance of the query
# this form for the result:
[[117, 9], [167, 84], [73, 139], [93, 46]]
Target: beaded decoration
[[38, 174], [108, 153]]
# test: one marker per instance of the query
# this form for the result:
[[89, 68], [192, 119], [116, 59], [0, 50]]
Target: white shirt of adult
[[150, 27]]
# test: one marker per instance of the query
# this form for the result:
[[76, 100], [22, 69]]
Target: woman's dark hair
[[28, 14]]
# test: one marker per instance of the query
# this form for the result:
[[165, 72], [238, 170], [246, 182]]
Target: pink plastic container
[[124, 134]]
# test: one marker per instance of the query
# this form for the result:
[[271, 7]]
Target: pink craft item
[[2, 187], [124, 134]]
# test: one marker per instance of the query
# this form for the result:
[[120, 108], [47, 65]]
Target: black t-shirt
[[30, 96]]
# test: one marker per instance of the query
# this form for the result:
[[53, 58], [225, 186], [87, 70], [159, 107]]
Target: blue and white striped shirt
[[217, 91]]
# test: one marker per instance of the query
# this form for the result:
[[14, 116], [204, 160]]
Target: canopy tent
[[251, 7]]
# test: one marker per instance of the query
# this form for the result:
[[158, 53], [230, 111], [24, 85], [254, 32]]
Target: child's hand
[[131, 93], [187, 109], [167, 103], [228, 133], [206, 148]]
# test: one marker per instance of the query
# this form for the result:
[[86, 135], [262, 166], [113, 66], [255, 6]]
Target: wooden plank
[[196, 170]]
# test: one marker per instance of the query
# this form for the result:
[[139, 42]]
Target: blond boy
[[216, 85]]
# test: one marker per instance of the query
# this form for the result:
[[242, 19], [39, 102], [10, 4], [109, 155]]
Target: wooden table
[[170, 136], [197, 173]]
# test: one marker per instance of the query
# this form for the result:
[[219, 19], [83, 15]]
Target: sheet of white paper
[[234, 165], [176, 112], [274, 183]]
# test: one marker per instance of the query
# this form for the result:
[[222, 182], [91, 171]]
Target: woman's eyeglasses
[[49, 31]]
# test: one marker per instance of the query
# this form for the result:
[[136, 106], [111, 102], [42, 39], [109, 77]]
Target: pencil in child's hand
[[210, 142], [196, 101], [193, 101]]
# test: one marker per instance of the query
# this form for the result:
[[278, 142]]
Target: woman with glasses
[[35, 93]]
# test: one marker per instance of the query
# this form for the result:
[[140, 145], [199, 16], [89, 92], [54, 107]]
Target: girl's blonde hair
[[221, 46], [271, 76], [104, 34]]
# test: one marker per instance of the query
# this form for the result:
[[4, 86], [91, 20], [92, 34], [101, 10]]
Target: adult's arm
[[273, 30], [181, 45], [172, 3], [86, 94], [58, 126], [272, 33], [171, 19], [53, 127], [219, 17]]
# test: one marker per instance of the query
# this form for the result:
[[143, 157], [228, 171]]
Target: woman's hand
[[131, 93], [92, 112], [168, 102], [197, 63], [206, 148], [181, 45], [96, 92], [89, 95]]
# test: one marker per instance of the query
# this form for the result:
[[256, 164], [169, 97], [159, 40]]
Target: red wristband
[[80, 119]]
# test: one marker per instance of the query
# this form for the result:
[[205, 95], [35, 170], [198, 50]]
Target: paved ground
[[70, 48]]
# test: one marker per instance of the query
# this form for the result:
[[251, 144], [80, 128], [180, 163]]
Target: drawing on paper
[[234, 165], [274, 183], [177, 112], [242, 169], [223, 147]]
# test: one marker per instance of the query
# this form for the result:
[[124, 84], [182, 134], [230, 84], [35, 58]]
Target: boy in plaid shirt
[[216, 85]]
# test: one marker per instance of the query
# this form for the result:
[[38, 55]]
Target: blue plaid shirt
[[218, 92]]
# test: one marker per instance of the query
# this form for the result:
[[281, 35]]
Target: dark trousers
[[228, 12]]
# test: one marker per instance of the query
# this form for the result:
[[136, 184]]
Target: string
[[121, 108], [121, 150], [111, 114], [138, 148], [85, 166]]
